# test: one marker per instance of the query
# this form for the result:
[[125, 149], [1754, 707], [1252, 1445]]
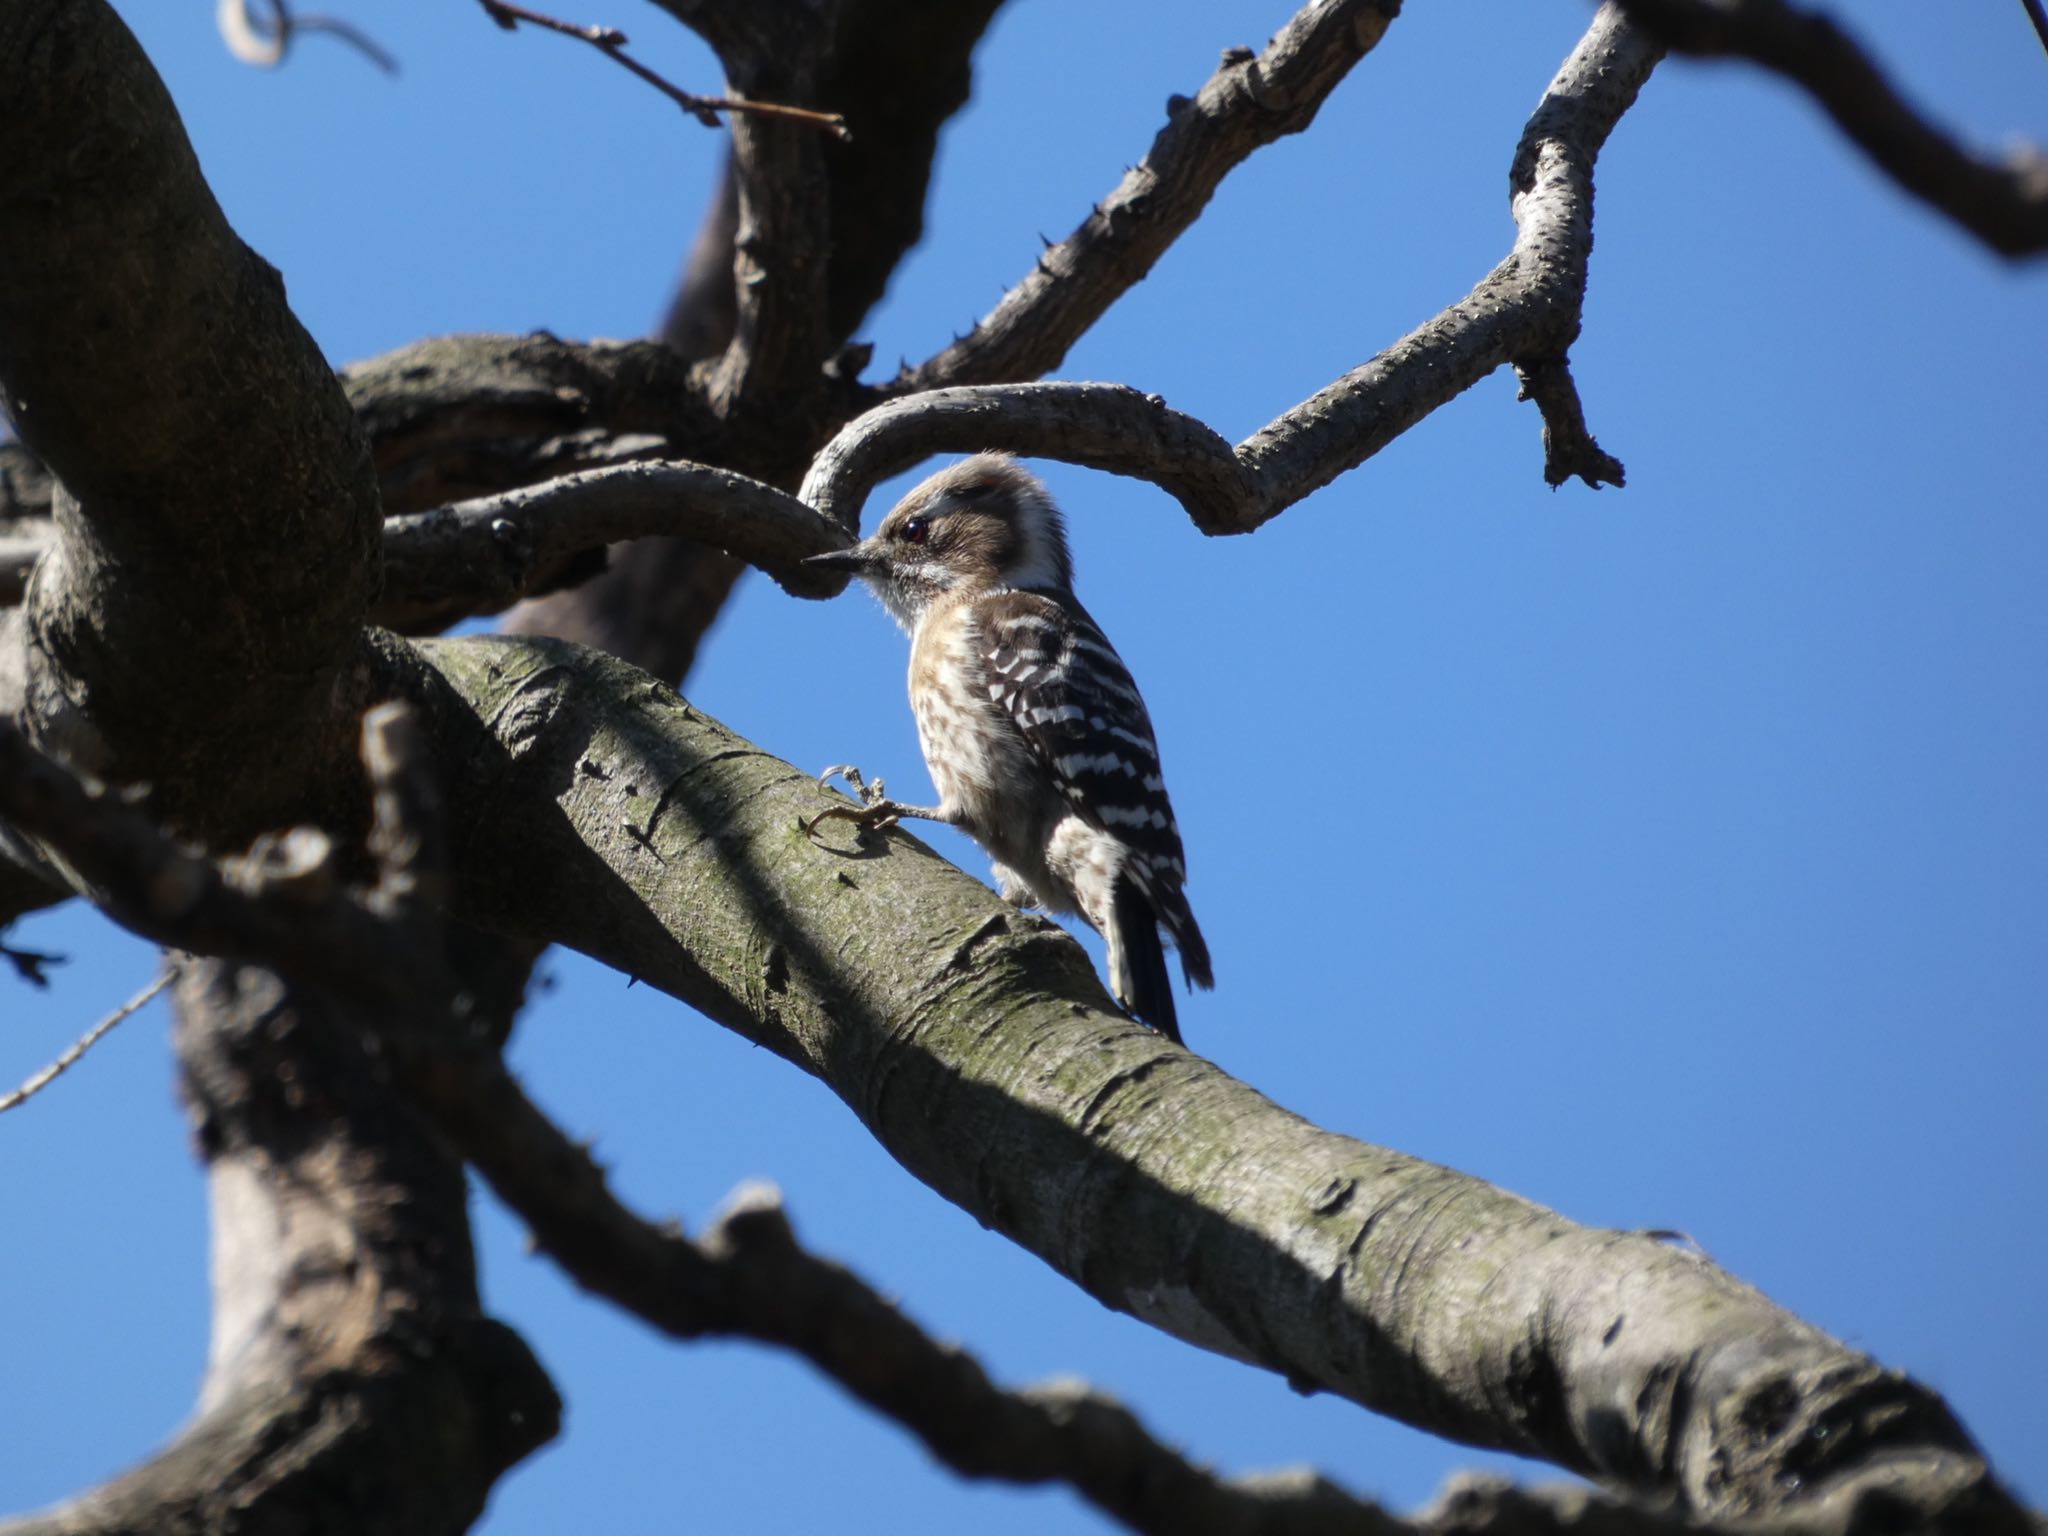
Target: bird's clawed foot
[[876, 811]]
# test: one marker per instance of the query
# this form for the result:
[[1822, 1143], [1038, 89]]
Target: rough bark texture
[[144, 351]]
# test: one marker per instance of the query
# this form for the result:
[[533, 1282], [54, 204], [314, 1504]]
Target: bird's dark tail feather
[[1147, 987], [1187, 938]]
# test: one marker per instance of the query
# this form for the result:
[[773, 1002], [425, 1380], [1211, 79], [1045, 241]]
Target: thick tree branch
[[979, 1047], [1526, 312], [219, 489], [2003, 203], [461, 416], [1249, 102]]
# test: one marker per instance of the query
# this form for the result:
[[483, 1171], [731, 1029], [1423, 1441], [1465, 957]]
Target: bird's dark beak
[[855, 561]]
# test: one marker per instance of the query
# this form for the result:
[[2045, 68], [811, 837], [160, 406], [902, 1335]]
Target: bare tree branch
[[611, 42], [782, 248], [1526, 312], [630, 826], [2004, 204], [749, 1277], [478, 556], [1104, 426], [85, 1042], [1249, 102]]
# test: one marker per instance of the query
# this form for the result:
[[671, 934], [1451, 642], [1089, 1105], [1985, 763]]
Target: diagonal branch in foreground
[[978, 1046], [1525, 312], [2004, 204]]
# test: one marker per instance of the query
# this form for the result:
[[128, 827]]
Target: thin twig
[[611, 42], [86, 1042]]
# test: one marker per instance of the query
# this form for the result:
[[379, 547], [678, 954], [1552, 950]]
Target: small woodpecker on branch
[[1031, 726]]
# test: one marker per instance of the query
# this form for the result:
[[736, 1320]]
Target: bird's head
[[982, 524]]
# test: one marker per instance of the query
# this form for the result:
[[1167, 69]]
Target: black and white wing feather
[[1072, 698]]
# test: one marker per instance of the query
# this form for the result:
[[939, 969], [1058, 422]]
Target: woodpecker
[[1031, 726]]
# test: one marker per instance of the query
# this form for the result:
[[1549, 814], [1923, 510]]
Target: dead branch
[[611, 42], [1526, 312], [1251, 100]]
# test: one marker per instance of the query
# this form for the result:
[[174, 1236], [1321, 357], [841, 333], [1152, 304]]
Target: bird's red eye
[[914, 530]]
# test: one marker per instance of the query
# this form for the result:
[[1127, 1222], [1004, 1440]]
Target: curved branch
[[479, 556], [2004, 204], [979, 1047], [1249, 102], [1525, 312], [1104, 426]]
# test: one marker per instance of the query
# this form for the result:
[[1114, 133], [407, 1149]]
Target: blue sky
[[1675, 856]]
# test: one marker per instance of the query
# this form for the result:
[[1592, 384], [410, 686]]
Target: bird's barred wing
[[1073, 700]]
